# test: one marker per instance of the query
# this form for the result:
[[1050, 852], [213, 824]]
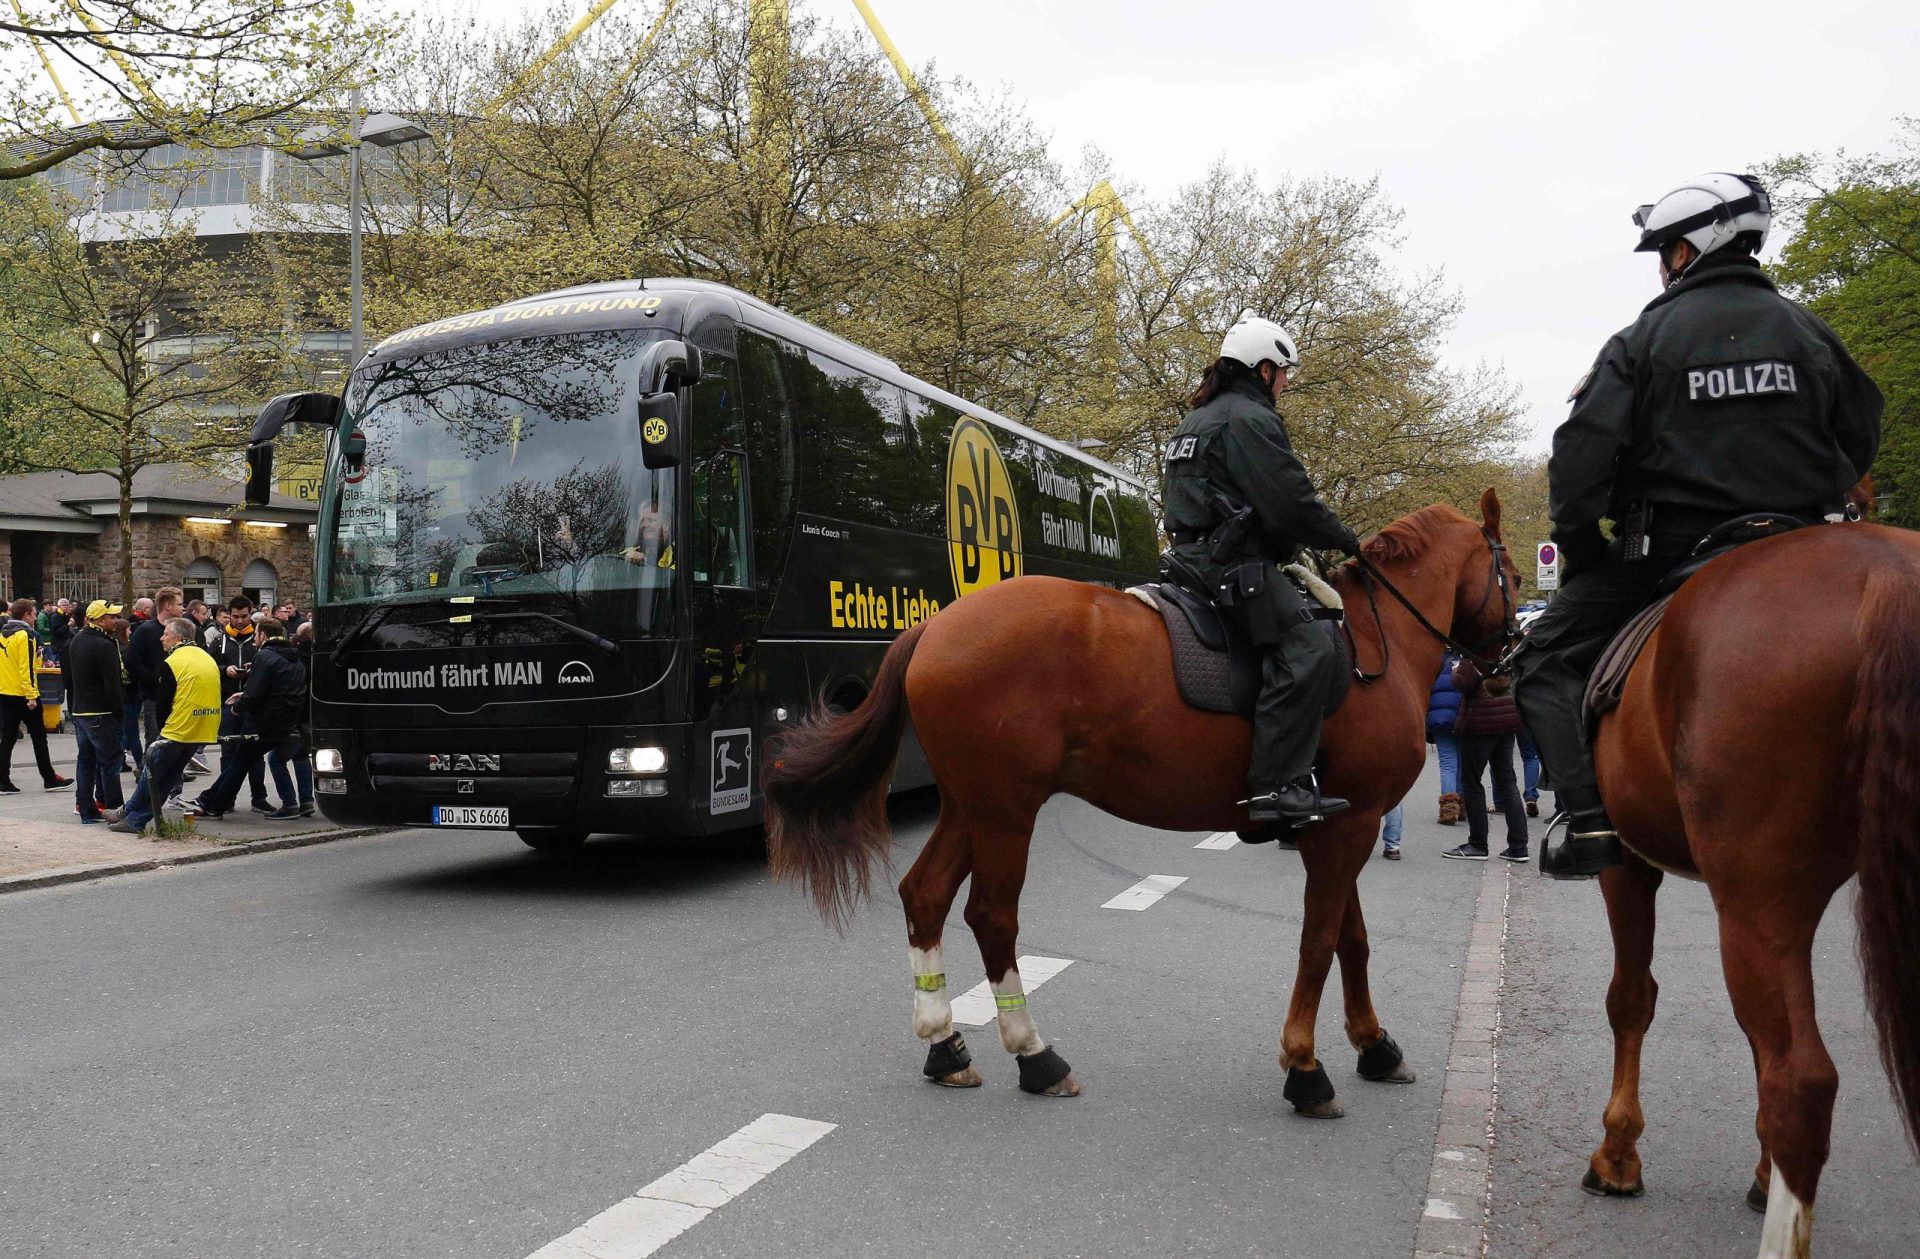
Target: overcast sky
[[1517, 136]]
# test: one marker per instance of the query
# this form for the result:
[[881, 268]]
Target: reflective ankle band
[[929, 983], [1010, 1000]]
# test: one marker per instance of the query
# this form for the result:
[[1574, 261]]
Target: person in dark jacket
[[1238, 502], [1722, 398], [1443, 714], [297, 753], [233, 648], [96, 699], [145, 659], [269, 709], [1489, 723]]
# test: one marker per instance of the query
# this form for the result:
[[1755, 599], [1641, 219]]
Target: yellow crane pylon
[[120, 59], [47, 62]]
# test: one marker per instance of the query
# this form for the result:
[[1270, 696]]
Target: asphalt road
[[444, 1044]]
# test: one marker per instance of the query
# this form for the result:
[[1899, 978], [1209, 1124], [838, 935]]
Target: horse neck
[[1428, 581]]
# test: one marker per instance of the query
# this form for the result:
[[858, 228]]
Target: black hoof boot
[[1046, 1073], [1311, 1093], [950, 1064], [1383, 1063], [1757, 1196]]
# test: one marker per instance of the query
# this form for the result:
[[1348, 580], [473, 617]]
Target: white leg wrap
[[1017, 1031], [932, 1008], [1788, 1231]]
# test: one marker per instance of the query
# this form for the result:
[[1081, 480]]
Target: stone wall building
[[60, 536]]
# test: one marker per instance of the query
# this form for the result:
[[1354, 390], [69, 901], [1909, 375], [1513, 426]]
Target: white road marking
[[1219, 841], [1146, 892], [975, 1007], [636, 1227]]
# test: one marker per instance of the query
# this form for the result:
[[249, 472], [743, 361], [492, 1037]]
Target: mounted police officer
[[1722, 399], [1238, 502]]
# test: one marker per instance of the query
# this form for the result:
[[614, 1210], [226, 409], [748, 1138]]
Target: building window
[[260, 584], [202, 582]]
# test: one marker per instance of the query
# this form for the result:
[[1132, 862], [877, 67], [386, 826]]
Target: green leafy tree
[[1854, 258]]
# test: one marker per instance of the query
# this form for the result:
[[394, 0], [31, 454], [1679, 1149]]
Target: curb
[[81, 874], [1460, 1180]]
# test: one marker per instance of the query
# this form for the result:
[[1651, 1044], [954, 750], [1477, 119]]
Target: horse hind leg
[[926, 894], [1381, 1061], [993, 911], [1769, 970], [1630, 892]]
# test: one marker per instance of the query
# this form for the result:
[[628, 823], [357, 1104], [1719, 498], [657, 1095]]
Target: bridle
[[1508, 635]]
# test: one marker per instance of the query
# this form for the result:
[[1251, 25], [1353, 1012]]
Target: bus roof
[[624, 304]]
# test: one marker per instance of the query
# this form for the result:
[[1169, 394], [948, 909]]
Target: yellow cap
[[100, 607]]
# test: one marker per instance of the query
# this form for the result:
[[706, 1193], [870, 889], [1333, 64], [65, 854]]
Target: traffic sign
[[1547, 575]]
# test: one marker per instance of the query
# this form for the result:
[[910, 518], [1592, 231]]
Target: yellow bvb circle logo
[[654, 431], [983, 525]]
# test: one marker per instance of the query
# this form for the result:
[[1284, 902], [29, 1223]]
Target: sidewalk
[[42, 840]]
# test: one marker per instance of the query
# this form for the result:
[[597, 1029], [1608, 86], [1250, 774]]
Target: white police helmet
[[1708, 212], [1254, 341]]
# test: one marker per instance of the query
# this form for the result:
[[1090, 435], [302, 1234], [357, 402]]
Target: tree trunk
[[126, 540]]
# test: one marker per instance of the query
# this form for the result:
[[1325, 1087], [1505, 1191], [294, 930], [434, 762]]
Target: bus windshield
[[508, 470]]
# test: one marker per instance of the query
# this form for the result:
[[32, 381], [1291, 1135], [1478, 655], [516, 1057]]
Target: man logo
[[574, 672], [983, 524]]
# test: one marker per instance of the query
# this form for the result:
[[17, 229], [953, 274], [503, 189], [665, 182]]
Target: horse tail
[[826, 793], [1884, 734]]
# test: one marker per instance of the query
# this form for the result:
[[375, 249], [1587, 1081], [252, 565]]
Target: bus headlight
[[329, 761], [648, 760]]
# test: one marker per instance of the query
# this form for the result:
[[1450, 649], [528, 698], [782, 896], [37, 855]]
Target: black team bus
[[579, 555]]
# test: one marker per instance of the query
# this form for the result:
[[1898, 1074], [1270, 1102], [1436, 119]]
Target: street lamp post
[[385, 130]]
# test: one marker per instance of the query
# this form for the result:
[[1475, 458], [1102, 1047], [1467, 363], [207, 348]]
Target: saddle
[[1215, 665], [1608, 681]]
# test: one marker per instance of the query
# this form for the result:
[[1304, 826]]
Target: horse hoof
[[1382, 1063], [1599, 1188], [1757, 1196], [965, 1078], [1068, 1087], [1401, 1074], [1321, 1110]]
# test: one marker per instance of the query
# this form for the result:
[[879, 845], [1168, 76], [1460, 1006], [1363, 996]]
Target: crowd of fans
[[150, 690]]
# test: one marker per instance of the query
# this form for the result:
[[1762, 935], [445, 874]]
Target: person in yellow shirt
[[20, 697], [189, 697]]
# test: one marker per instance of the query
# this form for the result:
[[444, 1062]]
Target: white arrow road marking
[[1145, 893], [636, 1227], [975, 1007], [1220, 841]]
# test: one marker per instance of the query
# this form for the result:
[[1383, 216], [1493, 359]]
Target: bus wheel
[[550, 838]]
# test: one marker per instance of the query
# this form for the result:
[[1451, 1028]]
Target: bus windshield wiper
[[580, 632], [364, 626]]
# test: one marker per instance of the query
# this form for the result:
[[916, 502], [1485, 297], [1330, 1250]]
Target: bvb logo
[[654, 431], [983, 526]]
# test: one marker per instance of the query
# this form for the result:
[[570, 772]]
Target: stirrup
[[1581, 854]]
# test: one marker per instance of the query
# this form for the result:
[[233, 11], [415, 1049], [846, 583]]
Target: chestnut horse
[[1768, 743], [1037, 686]]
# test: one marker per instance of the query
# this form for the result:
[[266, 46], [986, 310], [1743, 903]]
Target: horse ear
[[1490, 513]]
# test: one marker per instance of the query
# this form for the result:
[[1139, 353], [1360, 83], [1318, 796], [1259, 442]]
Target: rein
[[1370, 576]]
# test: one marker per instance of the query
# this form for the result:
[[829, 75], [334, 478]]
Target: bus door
[[724, 623]]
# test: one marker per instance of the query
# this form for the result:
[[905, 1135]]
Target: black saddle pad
[[1215, 667]]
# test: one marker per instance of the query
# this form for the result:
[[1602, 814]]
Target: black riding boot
[[1296, 804], [1591, 845]]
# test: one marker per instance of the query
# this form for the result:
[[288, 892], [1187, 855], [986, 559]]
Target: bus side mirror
[[669, 365], [288, 408], [662, 442]]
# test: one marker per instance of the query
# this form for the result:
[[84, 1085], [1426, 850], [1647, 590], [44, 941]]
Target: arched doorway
[[203, 582], [260, 584]]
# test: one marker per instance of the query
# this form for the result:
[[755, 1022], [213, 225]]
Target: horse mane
[[1411, 536]]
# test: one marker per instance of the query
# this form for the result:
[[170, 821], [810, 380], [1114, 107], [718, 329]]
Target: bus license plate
[[469, 815]]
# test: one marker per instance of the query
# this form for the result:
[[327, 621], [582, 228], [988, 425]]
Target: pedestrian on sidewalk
[[234, 651], [190, 696], [297, 751], [20, 697], [1529, 771], [1443, 714], [144, 658], [141, 613], [269, 708], [1489, 720], [1390, 829], [96, 698]]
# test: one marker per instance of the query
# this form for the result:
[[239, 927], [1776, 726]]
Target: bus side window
[[770, 449], [718, 429], [724, 504]]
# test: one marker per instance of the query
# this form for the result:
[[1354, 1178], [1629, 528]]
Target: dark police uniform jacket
[[1723, 398], [1237, 444]]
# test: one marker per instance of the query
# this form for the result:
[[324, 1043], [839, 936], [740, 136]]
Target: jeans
[[247, 760], [1446, 745], [1390, 827], [1478, 753], [130, 733], [96, 763], [277, 760], [1529, 766], [253, 767], [165, 761], [13, 713]]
